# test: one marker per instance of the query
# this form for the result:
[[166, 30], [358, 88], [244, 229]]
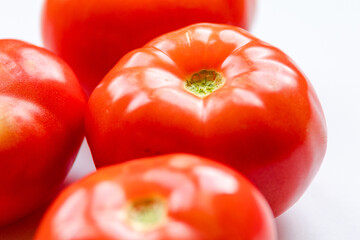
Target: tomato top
[[168, 197]]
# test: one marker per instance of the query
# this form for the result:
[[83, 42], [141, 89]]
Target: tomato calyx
[[204, 82], [147, 213]]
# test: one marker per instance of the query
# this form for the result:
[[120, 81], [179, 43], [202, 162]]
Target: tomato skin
[[265, 122], [204, 200], [41, 126], [93, 35]]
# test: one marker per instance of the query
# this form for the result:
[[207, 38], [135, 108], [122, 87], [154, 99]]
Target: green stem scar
[[204, 82], [147, 213]]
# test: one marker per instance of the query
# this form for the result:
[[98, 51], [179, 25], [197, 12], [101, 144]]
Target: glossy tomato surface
[[41, 126], [167, 197], [264, 120], [92, 35]]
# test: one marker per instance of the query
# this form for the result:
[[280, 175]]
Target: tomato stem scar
[[147, 213], [204, 82]]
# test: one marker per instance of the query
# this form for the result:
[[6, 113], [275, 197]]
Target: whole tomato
[[162, 198], [92, 35], [216, 91], [41, 126]]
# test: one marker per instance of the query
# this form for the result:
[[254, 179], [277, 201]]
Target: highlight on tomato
[[219, 92], [168, 197], [41, 126], [93, 35]]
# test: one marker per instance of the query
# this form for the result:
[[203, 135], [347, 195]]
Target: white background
[[323, 37]]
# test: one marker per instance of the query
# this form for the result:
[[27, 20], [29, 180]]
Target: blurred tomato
[[92, 35]]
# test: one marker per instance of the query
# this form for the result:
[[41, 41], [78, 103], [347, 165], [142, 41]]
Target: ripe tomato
[[92, 35], [41, 126], [168, 197], [216, 91]]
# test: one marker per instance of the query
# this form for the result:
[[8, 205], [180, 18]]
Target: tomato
[[41, 126], [92, 35], [216, 91], [25, 228], [168, 197]]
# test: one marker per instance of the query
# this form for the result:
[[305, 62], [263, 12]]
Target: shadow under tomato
[[289, 223], [24, 228]]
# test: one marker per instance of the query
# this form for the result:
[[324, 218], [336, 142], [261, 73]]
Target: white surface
[[323, 37]]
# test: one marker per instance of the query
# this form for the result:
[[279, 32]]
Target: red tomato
[[41, 126], [216, 91], [92, 35], [25, 228], [167, 197]]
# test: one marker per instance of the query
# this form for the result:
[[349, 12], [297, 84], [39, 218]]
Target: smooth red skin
[[266, 121], [41, 126], [205, 200], [92, 35]]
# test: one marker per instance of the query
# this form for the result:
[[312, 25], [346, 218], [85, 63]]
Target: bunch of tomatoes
[[198, 129]]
